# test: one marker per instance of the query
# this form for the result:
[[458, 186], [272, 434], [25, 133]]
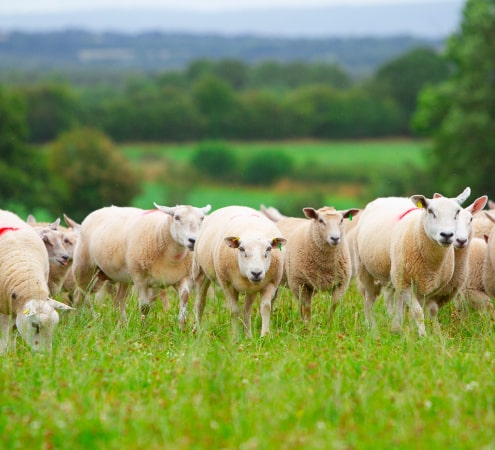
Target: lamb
[[405, 244], [317, 255], [24, 293], [148, 249], [60, 242], [241, 250]]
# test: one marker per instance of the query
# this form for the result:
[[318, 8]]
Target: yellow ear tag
[[419, 205], [26, 311]]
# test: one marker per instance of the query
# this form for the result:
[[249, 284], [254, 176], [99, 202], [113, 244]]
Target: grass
[[334, 385]]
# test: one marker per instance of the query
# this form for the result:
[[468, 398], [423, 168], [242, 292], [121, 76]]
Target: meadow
[[348, 168], [331, 385]]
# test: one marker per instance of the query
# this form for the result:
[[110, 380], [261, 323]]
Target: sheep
[[473, 292], [148, 249], [317, 255], [60, 280], [238, 249], [462, 250], [24, 293], [483, 223], [489, 261], [405, 244]]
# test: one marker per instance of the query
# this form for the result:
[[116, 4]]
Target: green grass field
[[334, 385], [376, 158]]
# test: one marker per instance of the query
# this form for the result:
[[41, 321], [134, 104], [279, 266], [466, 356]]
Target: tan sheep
[[149, 249], [24, 293], [241, 250], [317, 255], [489, 262]]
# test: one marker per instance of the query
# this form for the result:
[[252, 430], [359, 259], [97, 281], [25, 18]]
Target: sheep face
[[329, 222], [37, 322], [464, 230], [441, 218], [254, 255], [69, 239], [185, 224], [53, 241]]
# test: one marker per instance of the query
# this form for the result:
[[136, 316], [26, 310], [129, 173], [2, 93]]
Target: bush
[[90, 173], [267, 167], [216, 160]]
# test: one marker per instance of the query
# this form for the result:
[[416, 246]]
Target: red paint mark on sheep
[[5, 229], [407, 212], [150, 211]]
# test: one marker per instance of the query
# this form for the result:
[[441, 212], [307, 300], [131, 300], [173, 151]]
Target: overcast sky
[[50, 6]]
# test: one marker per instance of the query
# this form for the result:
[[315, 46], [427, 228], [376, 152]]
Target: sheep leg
[[202, 283], [267, 297], [248, 307], [398, 311], [388, 294], [305, 295], [184, 290], [367, 287], [4, 332], [119, 299], [233, 300], [417, 313]]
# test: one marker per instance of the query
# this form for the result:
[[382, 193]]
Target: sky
[[50, 6]]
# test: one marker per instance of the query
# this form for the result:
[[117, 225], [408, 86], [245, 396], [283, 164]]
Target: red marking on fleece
[[5, 229], [407, 212], [150, 211]]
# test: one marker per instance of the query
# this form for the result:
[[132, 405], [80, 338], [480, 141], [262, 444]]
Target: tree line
[[230, 99]]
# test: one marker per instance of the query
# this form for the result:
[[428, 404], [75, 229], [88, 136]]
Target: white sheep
[[317, 255], [405, 244], [241, 250], [462, 251], [149, 249], [489, 262], [473, 292], [24, 293]]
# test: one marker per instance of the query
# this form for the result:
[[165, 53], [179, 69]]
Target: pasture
[[344, 169], [333, 385]]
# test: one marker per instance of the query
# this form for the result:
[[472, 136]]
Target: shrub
[[267, 167], [216, 160]]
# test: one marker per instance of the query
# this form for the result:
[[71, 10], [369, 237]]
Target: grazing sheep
[[462, 249], [473, 292], [405, 244], [317, 255], [24, 293], [234, 250], [150, 249]]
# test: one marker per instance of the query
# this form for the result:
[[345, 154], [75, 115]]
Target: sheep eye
[[321, 221], [456, 214], [431, 212], [242, 250]]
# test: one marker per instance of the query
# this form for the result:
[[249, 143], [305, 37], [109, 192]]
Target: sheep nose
[[461, 242], [335, 239], [447, 236], [192, 240], [256, 275]]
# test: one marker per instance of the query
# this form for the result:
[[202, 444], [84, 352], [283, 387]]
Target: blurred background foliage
[[60, 140]]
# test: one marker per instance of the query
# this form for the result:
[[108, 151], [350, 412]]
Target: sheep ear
[[70, 222], [278, 242], [206, 209], [30, 219], [166, 209], [310, 213], [437, 195], [59, 305], [420, 200], [54, 225], [351, 213], [233, 241], [477, 205], [463, 196]]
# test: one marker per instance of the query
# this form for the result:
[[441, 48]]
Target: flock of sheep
[[419, 252]]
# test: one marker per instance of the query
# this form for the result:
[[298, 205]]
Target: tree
[[22, 174], [51, 109], [403, 78], [90, 173], [463, 107]]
